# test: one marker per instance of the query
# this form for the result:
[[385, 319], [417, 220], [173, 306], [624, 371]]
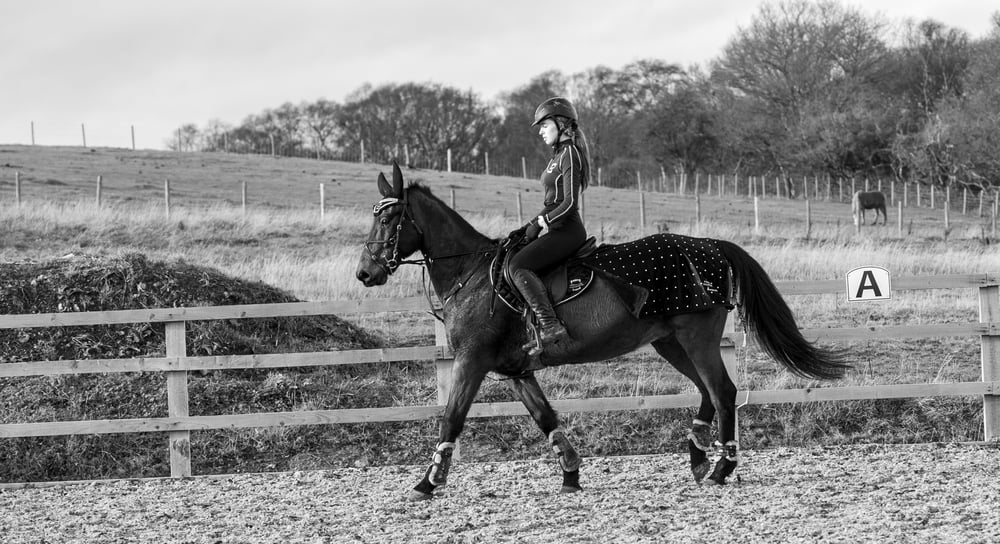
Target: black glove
[[517, 234], [531, 231]]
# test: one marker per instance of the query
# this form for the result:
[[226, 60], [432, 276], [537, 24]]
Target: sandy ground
[[914, 493]]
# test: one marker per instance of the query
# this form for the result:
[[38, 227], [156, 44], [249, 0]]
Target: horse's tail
[[769, 320]]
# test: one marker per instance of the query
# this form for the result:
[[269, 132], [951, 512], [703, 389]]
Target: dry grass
[[282, 241]]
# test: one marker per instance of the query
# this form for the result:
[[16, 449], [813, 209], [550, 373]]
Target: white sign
[[868, 283]]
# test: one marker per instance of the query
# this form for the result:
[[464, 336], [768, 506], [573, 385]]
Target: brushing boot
[[533, 290]]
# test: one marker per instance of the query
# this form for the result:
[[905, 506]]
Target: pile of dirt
[[131, 281]]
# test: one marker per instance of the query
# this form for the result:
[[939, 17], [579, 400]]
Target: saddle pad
[[578, 277], [681, 273]]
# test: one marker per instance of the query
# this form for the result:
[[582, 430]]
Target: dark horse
[[458, 257], [872, 200]]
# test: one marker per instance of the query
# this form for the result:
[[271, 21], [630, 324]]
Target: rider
[[563, 180]]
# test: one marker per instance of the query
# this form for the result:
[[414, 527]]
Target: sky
[[102, 67]]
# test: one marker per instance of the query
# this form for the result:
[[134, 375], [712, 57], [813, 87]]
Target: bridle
[[392, 263]]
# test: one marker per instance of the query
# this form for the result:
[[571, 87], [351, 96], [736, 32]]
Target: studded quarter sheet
[[682, 274]]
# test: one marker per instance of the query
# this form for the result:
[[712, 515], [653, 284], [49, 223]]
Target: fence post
[[756, 215], [133, 137], [362, 151], [486, 161], [520, 217], [17, 188], [989, 312], [243, 197], [83, 131], [443, 365], [449, 159], [727, 348], [524, 171], [642, 214], [166, 196], [99, 180], [899, 218], [177, 402], [322, 201], [808, 219], [32, 133]]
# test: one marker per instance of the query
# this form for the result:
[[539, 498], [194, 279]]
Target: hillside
[[69, 174]]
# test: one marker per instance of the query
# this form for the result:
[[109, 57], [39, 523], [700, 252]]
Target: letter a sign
[[868, 283]]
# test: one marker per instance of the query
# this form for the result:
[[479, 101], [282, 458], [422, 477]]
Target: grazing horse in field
[[871, 200], [484, 337]]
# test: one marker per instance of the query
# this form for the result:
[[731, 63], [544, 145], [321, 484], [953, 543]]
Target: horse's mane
[[418, 187]]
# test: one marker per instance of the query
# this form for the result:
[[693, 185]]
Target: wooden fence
[[176, 364]]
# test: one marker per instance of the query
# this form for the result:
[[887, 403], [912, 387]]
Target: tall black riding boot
[[552, 330]]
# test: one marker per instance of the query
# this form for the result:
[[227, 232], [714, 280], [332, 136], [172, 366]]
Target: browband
[[385, 203]]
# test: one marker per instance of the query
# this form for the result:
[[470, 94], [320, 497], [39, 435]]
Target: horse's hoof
[[701, 470], [570, 489], [418, 496]]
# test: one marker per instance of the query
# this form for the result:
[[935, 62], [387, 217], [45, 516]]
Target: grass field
[[281, 239]]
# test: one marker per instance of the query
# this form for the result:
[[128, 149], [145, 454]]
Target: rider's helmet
[[555, 106]]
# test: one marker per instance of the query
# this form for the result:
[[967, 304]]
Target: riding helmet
[[552, 107]]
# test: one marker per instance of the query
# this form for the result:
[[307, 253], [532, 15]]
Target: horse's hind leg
[[700, 437], [700, 335], [527, 389]]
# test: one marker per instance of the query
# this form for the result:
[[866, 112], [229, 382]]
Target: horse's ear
[[397, 179], [383, 186]]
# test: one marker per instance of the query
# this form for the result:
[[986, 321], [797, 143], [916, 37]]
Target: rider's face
[[548, 131]]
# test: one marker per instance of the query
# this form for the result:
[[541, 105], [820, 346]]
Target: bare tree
[[320, 119]]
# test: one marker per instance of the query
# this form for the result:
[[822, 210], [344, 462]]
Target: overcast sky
[[155, 65]]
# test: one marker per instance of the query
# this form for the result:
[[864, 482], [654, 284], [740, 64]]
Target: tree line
[[806, 87]]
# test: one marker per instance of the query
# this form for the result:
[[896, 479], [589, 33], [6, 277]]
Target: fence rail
[[176, 364]]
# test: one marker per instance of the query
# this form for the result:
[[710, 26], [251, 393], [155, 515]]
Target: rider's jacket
[[562, 183]]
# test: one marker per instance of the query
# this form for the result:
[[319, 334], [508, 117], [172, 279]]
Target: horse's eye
[[384, 221]]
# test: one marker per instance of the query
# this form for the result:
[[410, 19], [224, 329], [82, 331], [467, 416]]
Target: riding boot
[[533, 290]]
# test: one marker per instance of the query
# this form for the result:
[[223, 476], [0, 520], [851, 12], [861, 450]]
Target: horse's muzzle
[[371, 279]]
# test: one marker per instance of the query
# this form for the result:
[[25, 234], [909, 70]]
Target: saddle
[[564, 282]]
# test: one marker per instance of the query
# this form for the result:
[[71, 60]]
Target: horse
[[867, 201], [486, 338]]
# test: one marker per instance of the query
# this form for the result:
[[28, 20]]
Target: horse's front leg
[[467, 376], [530, 393]]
